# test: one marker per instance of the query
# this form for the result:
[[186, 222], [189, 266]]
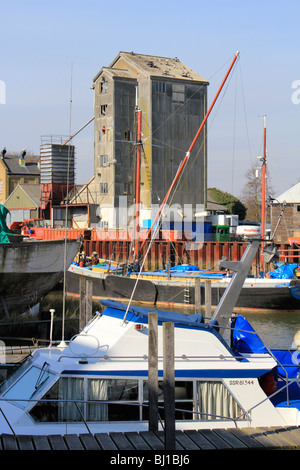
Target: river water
[[276, 329]]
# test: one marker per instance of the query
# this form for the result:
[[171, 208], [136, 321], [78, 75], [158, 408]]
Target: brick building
[[289, 226], [17, 169]]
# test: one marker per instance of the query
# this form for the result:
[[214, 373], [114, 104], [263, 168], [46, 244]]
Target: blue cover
[[180, 268], [289, 361], [245, 339], [286, 271], [183, 268], [137, 314]]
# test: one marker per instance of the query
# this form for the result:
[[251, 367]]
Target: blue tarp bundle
[[289, 361], [245, 339], [285, 271], [184, 268], [181, 268]]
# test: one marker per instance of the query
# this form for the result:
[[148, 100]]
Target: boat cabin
[[99, 382]]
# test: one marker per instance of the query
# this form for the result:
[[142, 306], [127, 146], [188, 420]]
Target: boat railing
[[284, 367], [286, 386], [145, 357], [203, 416]]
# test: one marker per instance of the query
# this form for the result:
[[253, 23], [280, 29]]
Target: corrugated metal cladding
[[125, 134], [174, 127], [56, 161]]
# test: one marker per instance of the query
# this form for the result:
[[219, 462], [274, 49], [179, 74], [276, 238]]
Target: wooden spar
[[263, 194], [187, 156]]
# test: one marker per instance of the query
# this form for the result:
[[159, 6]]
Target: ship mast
[[138, 175], [263, 195]]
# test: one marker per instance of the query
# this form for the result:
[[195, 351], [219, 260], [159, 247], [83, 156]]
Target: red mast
[[137, 181], [263, 193], [187, 156]]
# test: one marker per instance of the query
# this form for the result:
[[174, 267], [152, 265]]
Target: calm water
[[276, 329]]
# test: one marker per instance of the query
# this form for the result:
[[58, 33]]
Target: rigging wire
[[245, 113], [66, 212], [234, 130]]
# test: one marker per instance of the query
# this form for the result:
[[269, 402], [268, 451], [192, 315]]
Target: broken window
[[103, 109], [104, 188], [103, 86]]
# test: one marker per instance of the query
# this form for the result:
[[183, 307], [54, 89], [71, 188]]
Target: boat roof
[[140, 314]]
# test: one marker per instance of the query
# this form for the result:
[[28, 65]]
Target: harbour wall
[[117, 246]]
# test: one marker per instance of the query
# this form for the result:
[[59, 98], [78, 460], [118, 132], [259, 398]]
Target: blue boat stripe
[[188, 374]]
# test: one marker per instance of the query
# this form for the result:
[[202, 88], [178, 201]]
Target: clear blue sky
[[42, 40]]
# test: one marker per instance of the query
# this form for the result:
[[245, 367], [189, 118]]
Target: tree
[[232, 204], [251, 193]]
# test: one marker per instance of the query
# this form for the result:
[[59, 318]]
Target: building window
[[104, 188], [159, 87], [103, 160], [103, 109], [178, 93], [103, 86], [128, 135]]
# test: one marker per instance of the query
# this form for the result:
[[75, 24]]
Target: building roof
[[32, 191], [28, 166], [292, 195], [131, 63], [212, 204]]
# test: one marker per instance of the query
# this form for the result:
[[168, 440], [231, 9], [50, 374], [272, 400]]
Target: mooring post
[[169, 384], [197, 295], [208, 298], [153, 371], [85, 301]]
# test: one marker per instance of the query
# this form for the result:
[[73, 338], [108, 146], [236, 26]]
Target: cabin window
[[59, 403], [71, 398], [113, 391], [184, 403], [101, 399], [29, 385], [214, 401]]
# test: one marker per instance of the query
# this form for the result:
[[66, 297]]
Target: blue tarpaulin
[[181, 267], [289, 361], [245, 339], [286, 271]]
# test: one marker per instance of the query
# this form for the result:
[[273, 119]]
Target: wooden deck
[[187, 441]]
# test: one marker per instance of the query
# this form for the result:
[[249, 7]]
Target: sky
[[50, 51]]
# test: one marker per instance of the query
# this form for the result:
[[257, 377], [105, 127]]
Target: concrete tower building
[[172, 99]]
